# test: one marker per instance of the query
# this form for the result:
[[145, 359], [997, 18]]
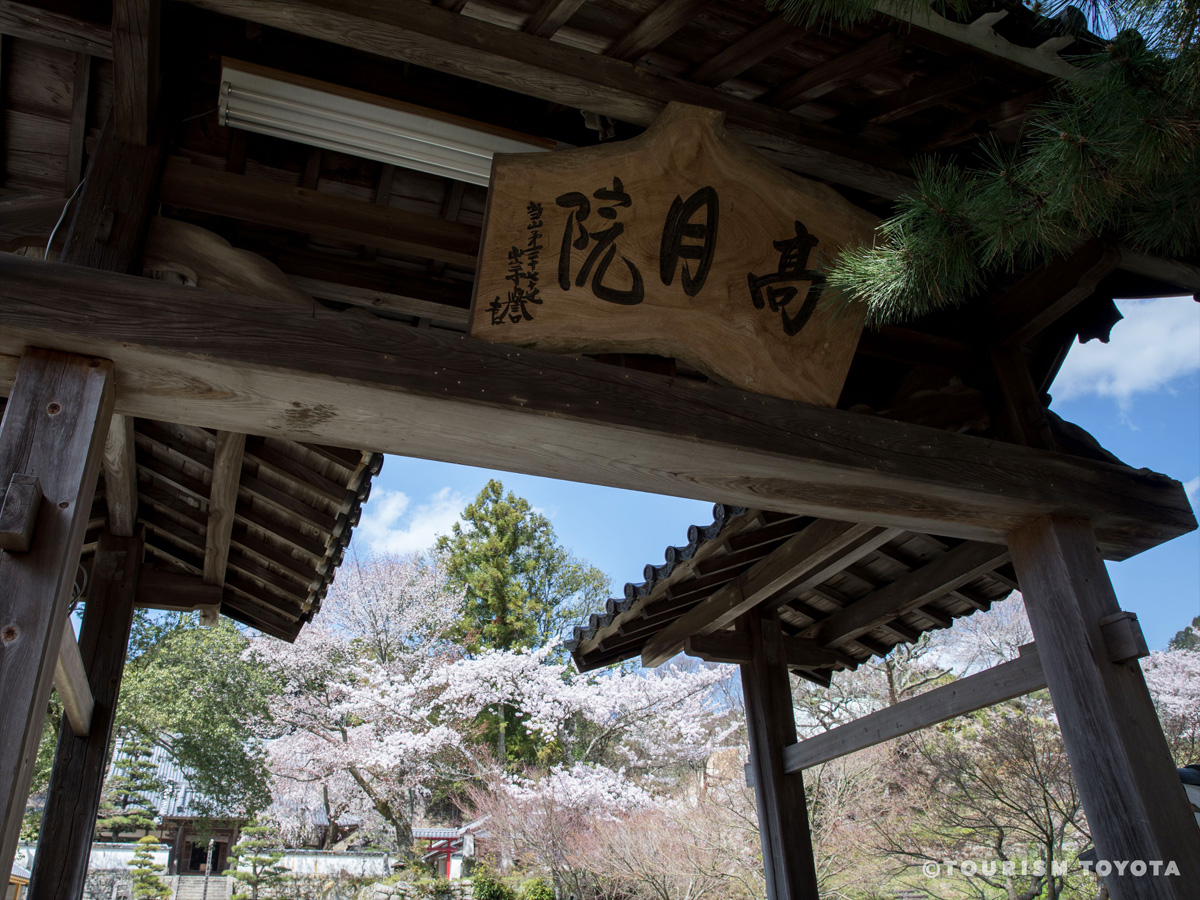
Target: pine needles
[[1115, 155]]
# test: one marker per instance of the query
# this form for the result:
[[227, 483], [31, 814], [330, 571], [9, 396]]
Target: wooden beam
[[768, 38], [112, 213], [995, 685], [948, 572], [734, 647], [136, 79], [654, 28], [929, 91], [51, 29], [238, 363], [81, 91], [771, 728], [1172, 271], [53, 428], [1051, 291], [384, 301], [222, 502], [821, 549], [120, 477], [327, 215], [1028, 423], [415, 32], [832, 74], [27, 219], [71, 682], [73, 796], [176, 592], [550, 16], [1123, 769]]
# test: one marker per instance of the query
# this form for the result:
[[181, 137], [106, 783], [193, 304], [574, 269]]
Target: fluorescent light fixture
[[280, 104]]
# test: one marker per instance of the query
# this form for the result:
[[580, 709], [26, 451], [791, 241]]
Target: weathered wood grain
[[239, 363], [835, 73], [71, 682], [136, 78], [428, 36], [73, 796], [654, 28], [983, 689], [550, 16], [19, 508], [735, 647], [222, 501], [266, 203], [952, 570], [779, 795], [27, 219], [732, 288], [1122, 767], [53, 428], [81, 92], [54, 29], [120, 477], [770, 37]]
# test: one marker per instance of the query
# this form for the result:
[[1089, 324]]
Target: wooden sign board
[[682, 242]]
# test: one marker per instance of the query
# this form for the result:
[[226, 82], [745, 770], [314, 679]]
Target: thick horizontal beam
[[934, 579], [995, 685], [160, 589], [71, 682], [415, 32], [238, 363], [52, 29], [313, 212], [735, 647]]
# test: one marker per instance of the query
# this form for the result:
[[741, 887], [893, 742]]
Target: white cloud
[[388, 526], [1156, 343], [1192, 488]]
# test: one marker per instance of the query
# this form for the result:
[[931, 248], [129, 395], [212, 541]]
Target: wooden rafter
[[136, 80], [52, 29], [233, 362], [654, 28], [768, 38], [222, 501], [550, 16], [71, 682], [120, 477], [835, 73], [929, 91], [734, 647]]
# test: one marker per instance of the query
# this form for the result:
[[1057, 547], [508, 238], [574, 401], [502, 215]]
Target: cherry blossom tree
[[1173, 677]]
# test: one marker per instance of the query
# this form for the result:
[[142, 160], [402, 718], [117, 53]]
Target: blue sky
[[1139, 395]]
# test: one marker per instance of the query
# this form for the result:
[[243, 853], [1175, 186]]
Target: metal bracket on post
[[1123, 637], [19, 512]]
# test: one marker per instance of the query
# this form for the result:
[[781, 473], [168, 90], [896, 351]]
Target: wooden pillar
[[53, 429], [60, 866], [782, 812], [1135, 806]]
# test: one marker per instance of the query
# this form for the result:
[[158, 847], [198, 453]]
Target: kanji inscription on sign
[[682, 242]]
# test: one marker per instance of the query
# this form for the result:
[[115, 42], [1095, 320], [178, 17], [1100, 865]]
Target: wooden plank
[[222, 501], [949, 571], [1119, 757], [384, 301], [163, 589], [120, 477], [770, 37], [136, 79], [821, 549], [654, 28], [71, 682], [1051, 291], [27, 219], [734, 647], [1172, 271], [714, 259], [73, 797], [80, 95], [113, 211], [237, 363], [983, 689], [19, 508], [834, 73], [53, 428], [779, 795], [929, 91], [327, 215], [415, 32], [52, 29], [550, 16]]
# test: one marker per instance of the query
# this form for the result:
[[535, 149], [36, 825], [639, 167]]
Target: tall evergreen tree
[[256, 862], [147, 885], [128, 803]]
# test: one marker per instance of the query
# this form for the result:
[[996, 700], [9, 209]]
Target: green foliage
[[193, 689], [258, 872], [147, 885], [1115, 155], [434, 888], [488, 886], [31, 825], [521, 586], [1188, 638], [537, 889], [127, 804]]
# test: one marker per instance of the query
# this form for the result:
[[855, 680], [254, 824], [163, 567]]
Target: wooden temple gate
[[305, 299]]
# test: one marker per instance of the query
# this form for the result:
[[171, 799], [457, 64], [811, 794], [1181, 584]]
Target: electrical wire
[[62, 216]]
